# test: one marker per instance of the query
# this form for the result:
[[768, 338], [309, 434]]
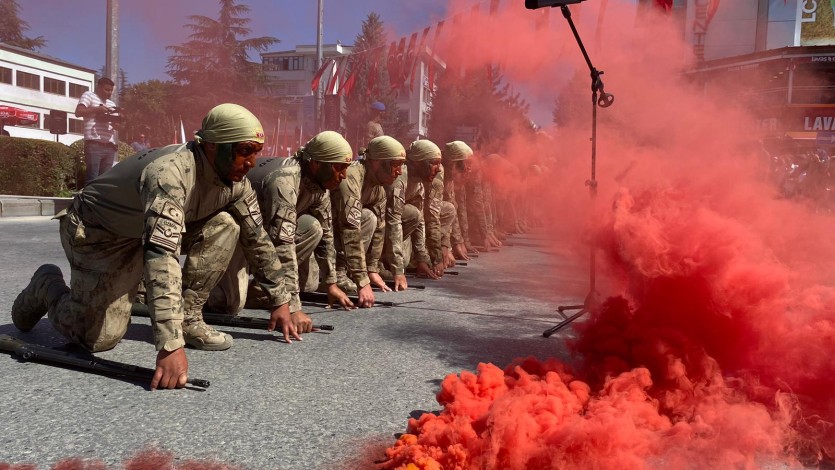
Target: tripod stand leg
[[547, 333]]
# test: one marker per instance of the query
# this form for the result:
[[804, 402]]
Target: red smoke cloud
[[713, 347]]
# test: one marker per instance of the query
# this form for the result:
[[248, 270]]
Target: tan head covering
[[327, 147], [229, 123], [385, 148], [456, 151], [421, 150]]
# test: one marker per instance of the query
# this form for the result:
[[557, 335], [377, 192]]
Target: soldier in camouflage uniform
[[294, 194], [456, 157], [448, 220], [406, 222], [359, 205], [135, 220], [478, 225]]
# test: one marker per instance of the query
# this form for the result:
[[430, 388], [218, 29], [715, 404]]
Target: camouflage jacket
[[355, 192], [153, 196], [428, 203], [284, 194]]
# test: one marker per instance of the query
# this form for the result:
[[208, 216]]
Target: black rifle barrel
[[44, 355], [214, 318]]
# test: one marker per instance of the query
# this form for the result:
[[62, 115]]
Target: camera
[[113, 116], [534, 4]]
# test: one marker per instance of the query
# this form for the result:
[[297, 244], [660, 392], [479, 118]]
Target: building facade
[[40, 84], [776, 56], [292, 73]]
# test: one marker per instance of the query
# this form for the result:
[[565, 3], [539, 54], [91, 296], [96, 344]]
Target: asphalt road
[[317, 404]]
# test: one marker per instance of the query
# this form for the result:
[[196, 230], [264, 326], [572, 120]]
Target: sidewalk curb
[[26, 206]]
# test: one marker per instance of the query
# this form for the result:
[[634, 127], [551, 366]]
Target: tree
[[478, 98], [372, 84], [214, 63], [150, 108], [12, 27]]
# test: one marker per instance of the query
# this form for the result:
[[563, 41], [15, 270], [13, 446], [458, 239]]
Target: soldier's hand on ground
[[366, 297], [338, 296], [423, 269], [301, 321], [400, 282], [460, 252], [495, 240], [438, 268], [280, 317], [378, 281], [172, 369], [488, 244]]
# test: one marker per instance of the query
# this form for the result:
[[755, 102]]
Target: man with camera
[[101, 120]]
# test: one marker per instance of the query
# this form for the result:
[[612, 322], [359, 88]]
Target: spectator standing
[[99, 128], [140, 144]]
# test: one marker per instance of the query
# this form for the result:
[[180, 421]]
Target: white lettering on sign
[[820, 123], [808, 9], [767, 125]]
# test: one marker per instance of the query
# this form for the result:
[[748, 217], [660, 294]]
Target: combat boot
[[196, 332], [45, 288], [346, 284]]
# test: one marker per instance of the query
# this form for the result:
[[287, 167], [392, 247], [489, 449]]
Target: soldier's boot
[[196, 332], [45, 288], [345, 283], [385, 272]]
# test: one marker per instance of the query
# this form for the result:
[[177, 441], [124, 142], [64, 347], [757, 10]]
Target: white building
[[292, 73], [39, 83]]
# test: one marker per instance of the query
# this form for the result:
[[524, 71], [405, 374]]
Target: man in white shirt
[[99, 128]]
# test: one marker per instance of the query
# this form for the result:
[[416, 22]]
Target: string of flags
[[339, 74]]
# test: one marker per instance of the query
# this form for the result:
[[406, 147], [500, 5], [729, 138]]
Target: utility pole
[[317, 99], [111, 65]]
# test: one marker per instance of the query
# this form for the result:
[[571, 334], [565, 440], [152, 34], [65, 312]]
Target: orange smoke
[[713, 347]]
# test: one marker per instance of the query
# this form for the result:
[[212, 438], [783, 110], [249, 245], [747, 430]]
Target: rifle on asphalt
[[41, 354], [322, 298], [223, 319], [413, 273]]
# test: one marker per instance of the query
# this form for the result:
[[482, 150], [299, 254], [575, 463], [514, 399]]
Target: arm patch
[[167, 226], [353, 212], [254, 210]]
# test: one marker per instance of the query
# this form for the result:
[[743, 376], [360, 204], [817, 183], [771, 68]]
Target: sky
[[76, 30]]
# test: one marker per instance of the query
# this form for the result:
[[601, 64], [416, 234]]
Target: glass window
[[75, 126], [77, 90], [51, 85], [5, 75], [28, 80]]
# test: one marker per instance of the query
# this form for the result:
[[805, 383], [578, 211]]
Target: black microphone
[[534, 4]]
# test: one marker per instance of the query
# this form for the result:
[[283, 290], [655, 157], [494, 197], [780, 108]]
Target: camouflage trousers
[[106, 269], [235, 291], [410, 220], [450, 232], [368, 223]]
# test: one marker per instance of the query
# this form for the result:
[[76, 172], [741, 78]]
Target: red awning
[[18, 117]]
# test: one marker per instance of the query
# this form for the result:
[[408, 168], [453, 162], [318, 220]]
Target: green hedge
[[34, 167]]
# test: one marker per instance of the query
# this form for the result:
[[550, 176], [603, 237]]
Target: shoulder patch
[[353, 212], [167, 226], [254, 211]]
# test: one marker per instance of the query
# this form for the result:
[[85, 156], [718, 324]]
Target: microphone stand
[[602, 99]]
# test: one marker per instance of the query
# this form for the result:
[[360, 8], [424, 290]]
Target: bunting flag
[[350, 81], [396, 64], [418, 54], [712, 8], [314, 85], [335, 75], [431, 69], [408, 61], [494, 7]]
